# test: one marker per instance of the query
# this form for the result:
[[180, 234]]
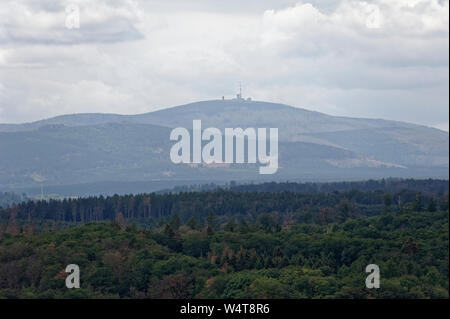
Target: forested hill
[[68, 154]]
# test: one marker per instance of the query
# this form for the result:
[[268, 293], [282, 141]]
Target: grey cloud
[[31, 22]]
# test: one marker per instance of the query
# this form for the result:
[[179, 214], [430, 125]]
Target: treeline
[[153, 209], [9, 199], [389, 185], [233, 259]]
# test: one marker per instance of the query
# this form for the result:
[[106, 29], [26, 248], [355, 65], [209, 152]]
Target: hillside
[[88, 149]]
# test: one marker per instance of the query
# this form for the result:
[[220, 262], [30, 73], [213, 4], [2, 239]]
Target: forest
[[270, 242]]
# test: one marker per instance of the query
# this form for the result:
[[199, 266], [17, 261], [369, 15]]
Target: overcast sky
[[378, 59]]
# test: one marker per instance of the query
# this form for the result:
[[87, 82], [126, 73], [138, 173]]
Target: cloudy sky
[[378, 59]]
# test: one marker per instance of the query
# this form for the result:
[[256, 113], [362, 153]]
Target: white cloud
[[348, 31], [136, 56]]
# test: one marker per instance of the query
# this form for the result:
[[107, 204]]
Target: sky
[[375, 59]]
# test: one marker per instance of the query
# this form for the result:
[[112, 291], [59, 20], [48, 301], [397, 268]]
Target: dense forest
[[309, 203], [228, 243]]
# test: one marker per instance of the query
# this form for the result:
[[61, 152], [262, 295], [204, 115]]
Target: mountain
[[71, 152]]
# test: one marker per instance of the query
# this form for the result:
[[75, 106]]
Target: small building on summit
[[239, 97]]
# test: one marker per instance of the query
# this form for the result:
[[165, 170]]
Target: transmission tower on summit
[[239, 97]]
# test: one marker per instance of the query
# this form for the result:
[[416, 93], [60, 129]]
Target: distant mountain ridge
[[94, 148], [214, 112]]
